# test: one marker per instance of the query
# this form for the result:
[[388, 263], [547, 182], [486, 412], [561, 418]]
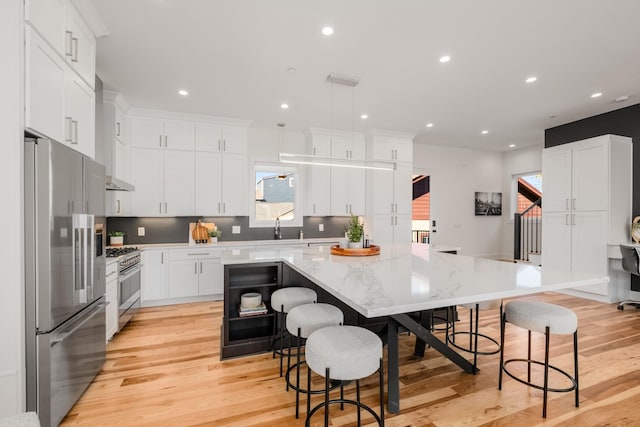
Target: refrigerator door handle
[[90, 251], [62, 335]]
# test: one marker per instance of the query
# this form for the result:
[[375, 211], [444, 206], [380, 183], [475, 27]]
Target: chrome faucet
[[277, 234]]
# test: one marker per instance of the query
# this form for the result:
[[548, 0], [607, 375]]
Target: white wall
[[516, 162], [11, 252], [457, 174]]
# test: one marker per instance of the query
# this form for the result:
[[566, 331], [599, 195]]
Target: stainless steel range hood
[[115, 184]]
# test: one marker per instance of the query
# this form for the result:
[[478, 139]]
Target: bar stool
[[473, 333], [345, 353], [302, 321], [548, 319], [282, 301]]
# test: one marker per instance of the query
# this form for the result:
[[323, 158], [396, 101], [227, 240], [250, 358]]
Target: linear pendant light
[[308, 159]]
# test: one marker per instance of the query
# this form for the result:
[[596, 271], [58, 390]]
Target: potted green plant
[[355, 231], [116, 238], [214, 234]]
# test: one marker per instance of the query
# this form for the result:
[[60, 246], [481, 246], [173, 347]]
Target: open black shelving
[[252, 334]]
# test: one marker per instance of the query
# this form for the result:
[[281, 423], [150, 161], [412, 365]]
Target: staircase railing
[[527, 231]]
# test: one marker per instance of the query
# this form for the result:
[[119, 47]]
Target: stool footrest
[[334, 383], [451, 338], [539, 387], [342, 401]]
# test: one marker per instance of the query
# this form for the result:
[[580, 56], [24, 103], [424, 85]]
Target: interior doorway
[[421, 211]]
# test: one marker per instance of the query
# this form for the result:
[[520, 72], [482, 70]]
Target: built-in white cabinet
[[116, 151], [164, 181], [221, 184], [221, 139], [347, 184], [111, 297], [195, 272], [390, 193], [58, 103], [317, 197], [392, 148], [586, 206], [155, 276], [60, 24], [157, 133], [221, 170]]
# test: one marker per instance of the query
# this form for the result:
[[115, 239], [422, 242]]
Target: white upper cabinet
[[157, 133], [48, 18], [60, 24], [317, 198], [80, 46], [221, 139], [119, 124], [348, 147], [387, 148], [58, 104]]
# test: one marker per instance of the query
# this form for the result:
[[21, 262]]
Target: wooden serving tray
[[373, 250]]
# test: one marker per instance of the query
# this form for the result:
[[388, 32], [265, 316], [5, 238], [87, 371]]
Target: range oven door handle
[[130, 273]]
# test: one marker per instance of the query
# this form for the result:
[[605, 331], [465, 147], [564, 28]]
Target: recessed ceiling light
[[429, 125], [484, 132], [284, 106], [531, 79], [364, 116], [183, 92], [327, 31], [445, 58], [512, 145], [596, 95]]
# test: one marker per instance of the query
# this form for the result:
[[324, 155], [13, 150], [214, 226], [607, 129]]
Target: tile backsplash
[[176, 229]]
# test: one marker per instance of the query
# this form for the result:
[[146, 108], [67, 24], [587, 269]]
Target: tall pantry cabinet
[[586, 206]]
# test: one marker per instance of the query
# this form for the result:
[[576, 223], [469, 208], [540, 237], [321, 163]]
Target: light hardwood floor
[[164, 369]]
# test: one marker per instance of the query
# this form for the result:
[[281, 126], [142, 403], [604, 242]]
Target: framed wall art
[[488, 204]]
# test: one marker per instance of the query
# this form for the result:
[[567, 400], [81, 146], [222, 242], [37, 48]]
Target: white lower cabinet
[[112, 299], [195, 272], [155, 275]]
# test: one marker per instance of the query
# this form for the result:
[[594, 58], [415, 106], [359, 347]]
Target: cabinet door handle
[[200, 267], [391, 207], [573, 204], [74, 125], [219, 145], [118, 209], [396, 220], [566, 204], [117, 129], [314, 208], [566, 219], [218, 207], [195, 268], [68, 51], [161, 257], [224, 145], [198, 254], [314, 151], [74, 45], [160, 140], [392, 221], [165, 140], [165, 207], [346, 208], [68, 121], [160, 207], [224, 207], [574, 219]]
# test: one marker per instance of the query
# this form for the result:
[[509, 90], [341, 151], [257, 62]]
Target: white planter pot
[[214, 239], [116, 240], [355, 245]]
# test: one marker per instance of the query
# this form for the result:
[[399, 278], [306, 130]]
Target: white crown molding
[[332, 132], [117, 98], [390, 133], [175, 115]]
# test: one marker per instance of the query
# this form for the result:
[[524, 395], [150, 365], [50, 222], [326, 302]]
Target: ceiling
[[244, 58]]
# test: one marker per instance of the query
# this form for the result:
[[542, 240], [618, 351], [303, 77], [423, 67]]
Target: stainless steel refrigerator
[[64, 275]]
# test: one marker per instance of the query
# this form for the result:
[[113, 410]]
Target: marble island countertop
[[412, 277]]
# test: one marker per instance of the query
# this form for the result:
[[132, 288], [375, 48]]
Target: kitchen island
[[411, 278]]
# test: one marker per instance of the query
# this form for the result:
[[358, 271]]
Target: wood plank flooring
[[164, 369]]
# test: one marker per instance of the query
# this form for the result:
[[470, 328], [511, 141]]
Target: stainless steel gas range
[[129, 272]]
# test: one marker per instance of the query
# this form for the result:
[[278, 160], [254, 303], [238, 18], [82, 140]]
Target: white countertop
[[411, 277]]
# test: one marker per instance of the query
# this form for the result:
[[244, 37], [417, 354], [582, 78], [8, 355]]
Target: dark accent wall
[[176, 229], [624, 122]]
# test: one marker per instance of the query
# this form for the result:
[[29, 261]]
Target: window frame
[[297, 202]]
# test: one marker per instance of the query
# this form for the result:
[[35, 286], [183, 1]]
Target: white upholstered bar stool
[[548, 319], [282, 301], [345, 353], [302, 321], [473, 333]]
